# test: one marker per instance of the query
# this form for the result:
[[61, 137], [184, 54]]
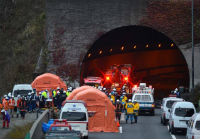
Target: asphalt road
[[148, 127]]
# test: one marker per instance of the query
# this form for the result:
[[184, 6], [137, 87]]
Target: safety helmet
[[176, 89], [58, 88], [58, 92], [104, 89], [9, 94], [7, 98], [64, 91], [117, 100], [12, 96], [29, 94], [111, 99], [18, 96], [40, 93], [2, 111], [129, 100], [114, 89], [32, 92], [123, 93]]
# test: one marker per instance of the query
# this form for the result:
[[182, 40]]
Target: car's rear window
[[74, 116], [170, 103], [197, 126], [142, 98], [184, 112]]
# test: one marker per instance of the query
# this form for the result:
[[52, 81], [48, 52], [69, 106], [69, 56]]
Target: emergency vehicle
[[144, 96], [93, 81], [76, 114]]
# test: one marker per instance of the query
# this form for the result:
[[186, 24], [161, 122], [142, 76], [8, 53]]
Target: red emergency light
[[107, 78], [125, 78]]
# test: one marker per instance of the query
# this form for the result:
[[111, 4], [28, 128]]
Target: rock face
[[74, 25]]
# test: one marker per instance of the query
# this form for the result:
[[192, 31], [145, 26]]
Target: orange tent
[[48, 81], [98, 102]]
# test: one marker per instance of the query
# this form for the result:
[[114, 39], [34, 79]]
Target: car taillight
[[87, 126], [193, 137], [153, 105]]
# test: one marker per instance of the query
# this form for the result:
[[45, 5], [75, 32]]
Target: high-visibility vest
[[6, 105], [44, 93], [11, 103], [129, 108], [54, 93], [68, 93]]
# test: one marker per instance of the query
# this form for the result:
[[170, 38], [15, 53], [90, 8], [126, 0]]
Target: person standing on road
[[6, 118], [136, 110], [18, 105], [129, 111], [23, 107], [118, 110], [11, 106]]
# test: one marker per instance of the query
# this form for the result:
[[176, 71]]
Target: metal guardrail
[[36, 129]]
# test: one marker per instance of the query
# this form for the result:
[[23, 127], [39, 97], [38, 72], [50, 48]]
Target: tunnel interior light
[[100, 52], [172, 45], [110, 50], [122, 48], [159, 45], [89, 54], [134, 46], [147, 46]]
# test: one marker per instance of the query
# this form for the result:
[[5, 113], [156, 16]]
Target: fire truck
[[118, 76]]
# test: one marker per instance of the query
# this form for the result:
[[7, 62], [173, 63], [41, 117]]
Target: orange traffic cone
[[118, 124]]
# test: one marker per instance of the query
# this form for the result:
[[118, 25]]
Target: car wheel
[[173, 130], [85, 137]]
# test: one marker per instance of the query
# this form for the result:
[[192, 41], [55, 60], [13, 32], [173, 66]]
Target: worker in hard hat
[[136, 110], [6, 118], [118, 110], [129, 111], [18, 105], [11, 105]]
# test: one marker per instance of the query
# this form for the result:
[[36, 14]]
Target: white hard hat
[[117, 100], [7, 98], [12, 96], [114, 89], [176, 89], [9, 94], [18, 96], [40, 93], [104, 88], [58, 92], [111, 99], [29, 94], [129, 100], [64, 91], [58, 88], [2, 111]]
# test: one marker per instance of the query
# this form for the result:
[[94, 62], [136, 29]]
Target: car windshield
[[74, 116], [21, 92], [170, 103], [197, 125], [184, 112], [142, 98]]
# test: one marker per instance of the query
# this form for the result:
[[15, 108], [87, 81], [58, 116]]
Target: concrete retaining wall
[[36, 129]]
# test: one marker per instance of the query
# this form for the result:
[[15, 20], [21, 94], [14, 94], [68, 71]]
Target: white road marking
[[172, 135]]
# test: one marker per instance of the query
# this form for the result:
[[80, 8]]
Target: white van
[[146, 102], [180, 114], [193, 127], [166, 106], [76, 114], [22, 90]]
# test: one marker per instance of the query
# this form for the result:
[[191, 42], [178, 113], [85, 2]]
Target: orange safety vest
[[6, 105], [11, 103]]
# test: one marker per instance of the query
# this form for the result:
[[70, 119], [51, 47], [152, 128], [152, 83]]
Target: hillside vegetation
[[22, 35]]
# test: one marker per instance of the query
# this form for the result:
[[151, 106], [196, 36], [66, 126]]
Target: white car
[[166, 106], [22, 90], [180, 114], [76, 114], [193, 127], [146, 102]]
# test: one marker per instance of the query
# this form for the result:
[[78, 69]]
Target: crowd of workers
[[123, 105], [11, 107]]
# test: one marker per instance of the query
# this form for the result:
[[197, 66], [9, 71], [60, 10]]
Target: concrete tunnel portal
[[155, 58]]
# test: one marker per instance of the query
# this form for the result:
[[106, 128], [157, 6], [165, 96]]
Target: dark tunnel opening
[[155, 59]]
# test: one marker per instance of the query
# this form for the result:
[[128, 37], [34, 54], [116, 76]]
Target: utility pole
[[192, 46]]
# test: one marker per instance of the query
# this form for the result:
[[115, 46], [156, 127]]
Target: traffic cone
[[118, 124]]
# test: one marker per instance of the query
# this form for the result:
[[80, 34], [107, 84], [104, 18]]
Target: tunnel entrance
[[154, 58]]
